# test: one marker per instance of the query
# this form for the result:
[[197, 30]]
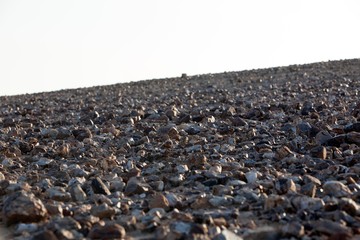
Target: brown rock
[[158, 200], [23, 207], [282, 152], [103, 211], [318, 152], [109, 231]]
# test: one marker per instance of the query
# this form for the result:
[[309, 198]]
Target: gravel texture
[[261, 154]]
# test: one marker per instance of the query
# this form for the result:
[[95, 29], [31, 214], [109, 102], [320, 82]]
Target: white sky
[[48, 45]]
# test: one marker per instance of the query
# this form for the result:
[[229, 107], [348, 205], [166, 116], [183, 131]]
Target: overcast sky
[[49, 45]]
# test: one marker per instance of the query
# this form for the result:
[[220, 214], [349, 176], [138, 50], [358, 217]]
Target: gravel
[[261, 154]]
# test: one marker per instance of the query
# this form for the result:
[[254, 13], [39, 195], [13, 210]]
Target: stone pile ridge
[[260, 154]]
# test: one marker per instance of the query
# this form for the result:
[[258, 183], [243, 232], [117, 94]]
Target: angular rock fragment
[[23, 207], [99, 187]]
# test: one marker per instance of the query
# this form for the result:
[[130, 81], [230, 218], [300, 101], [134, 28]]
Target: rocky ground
[[260, 154]]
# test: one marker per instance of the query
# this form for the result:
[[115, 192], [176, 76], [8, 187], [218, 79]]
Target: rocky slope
[[260, 154]]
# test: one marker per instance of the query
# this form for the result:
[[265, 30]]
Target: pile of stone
[[260, 154]]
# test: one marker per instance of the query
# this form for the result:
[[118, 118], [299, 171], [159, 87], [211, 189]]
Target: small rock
[[58, 194], [353, 137], [158, 200], [103, 211], [284, 186], [77, 193], [45, 235], [336, 188], [273, 201], [353, 127], [308, 203], [99, 186], [331, 228], [293, 229], [81, 134], [135, 186], [350, 206], [309, 189], [109, 231], [282, 152], [266, 232], [23, 207], [318, 152], [227, 235], [26, 227], [218, 201], [251, 177], [322, 137]]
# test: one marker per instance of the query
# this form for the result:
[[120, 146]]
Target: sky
[[48, 45]]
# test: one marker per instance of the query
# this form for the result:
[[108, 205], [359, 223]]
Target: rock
[[283, 152], [353, 127], [307, 203], [293, 229], [322, 137], [251, 177], [350, 206], [265, 232], [218, 201], [135, 186], [311, 179], [353, 137], [23, 207], [77, 193], [331, 228], [82, 133], [336, 188], [158, 200], [103, 211], [58, 194], [25, 227], [227, 235], [109, 231], [99, 187], [45, 235], [273, 201], [284, 186], [318, 152], [309, 189]]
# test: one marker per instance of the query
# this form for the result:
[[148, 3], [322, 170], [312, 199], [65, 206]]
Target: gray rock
[[336, 188], [227, 235], [77, 193]]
